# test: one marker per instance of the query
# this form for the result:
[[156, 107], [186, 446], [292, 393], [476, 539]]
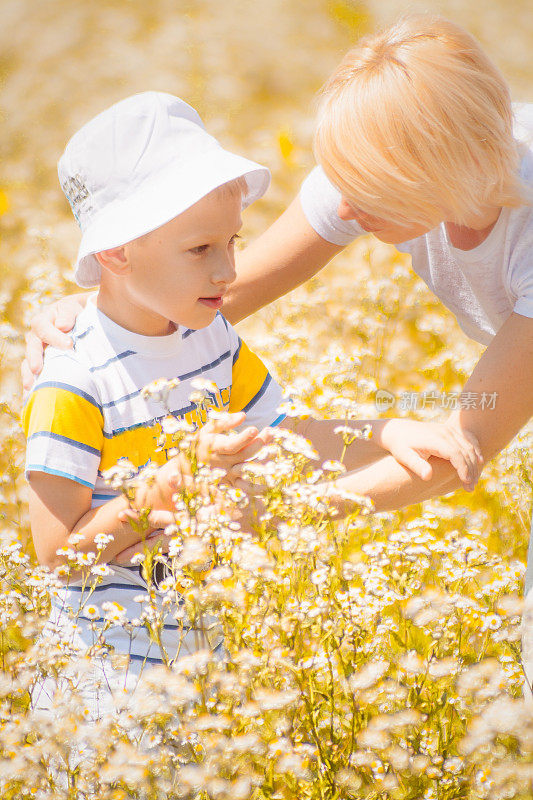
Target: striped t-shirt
[[86, 411]]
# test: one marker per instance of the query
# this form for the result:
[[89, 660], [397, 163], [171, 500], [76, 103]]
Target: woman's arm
[[411, 443], [287, 254], [502, 385], [505, 373]]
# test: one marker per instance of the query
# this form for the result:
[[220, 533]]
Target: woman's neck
[[467, 238]]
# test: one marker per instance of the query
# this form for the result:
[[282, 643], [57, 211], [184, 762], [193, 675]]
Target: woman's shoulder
[[523, 133], [523, 122]]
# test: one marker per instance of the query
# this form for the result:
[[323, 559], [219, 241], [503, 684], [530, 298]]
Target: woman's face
[[389, 232]]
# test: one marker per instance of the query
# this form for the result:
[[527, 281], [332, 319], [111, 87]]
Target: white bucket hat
[[138, 165]]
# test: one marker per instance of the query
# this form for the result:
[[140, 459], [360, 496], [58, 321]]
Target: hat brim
[[157, 202]]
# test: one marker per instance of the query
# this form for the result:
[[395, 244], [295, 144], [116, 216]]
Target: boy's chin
[[201, 320]]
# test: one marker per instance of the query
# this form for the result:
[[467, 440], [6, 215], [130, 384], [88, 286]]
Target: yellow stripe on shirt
[[63, 413], [147, 442], [248, 376], [137, 445]]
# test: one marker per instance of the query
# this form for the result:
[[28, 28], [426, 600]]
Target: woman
[[416, 144]]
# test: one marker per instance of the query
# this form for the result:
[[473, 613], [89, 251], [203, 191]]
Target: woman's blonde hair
[[416, 122]]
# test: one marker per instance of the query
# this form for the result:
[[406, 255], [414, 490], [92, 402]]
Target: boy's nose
[[225, 272]]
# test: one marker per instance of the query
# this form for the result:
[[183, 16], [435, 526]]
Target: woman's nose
[[345, 211]]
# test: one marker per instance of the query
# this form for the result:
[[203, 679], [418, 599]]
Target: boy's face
[[179, 273]]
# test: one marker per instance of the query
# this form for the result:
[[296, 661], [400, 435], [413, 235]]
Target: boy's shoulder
[[62, 418], [64, 384], [67, 367]]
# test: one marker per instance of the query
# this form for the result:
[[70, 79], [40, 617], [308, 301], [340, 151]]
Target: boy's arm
[[60, 507]]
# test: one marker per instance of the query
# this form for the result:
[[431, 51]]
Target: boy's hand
[[50, 326], [156, 519], [219, 446], [161, 519], [412, 443]]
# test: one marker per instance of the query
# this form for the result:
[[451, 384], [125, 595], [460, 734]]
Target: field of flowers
[[373, 658]]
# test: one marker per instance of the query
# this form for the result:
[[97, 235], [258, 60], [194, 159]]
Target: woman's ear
[[115, 260]]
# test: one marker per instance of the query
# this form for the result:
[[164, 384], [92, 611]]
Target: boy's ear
[[115, 260]]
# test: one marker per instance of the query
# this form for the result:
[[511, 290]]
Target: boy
[[159, 204]]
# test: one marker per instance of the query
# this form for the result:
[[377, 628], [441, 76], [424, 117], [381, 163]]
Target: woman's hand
[[412, 443], [50, 326]]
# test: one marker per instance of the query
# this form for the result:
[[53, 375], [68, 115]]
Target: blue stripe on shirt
[[130, 396], [198, 371], [60, 438], [259, 394], [103, 586], [78, 336], [183, 628], [118, 357], [149, 659], [67, 387], [178, 413], [237, 351], [57, 473]]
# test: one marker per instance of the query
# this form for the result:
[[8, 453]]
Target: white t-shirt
[[481, 286], [87, 410]]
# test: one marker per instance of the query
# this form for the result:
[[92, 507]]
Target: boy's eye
[[203, 248]]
